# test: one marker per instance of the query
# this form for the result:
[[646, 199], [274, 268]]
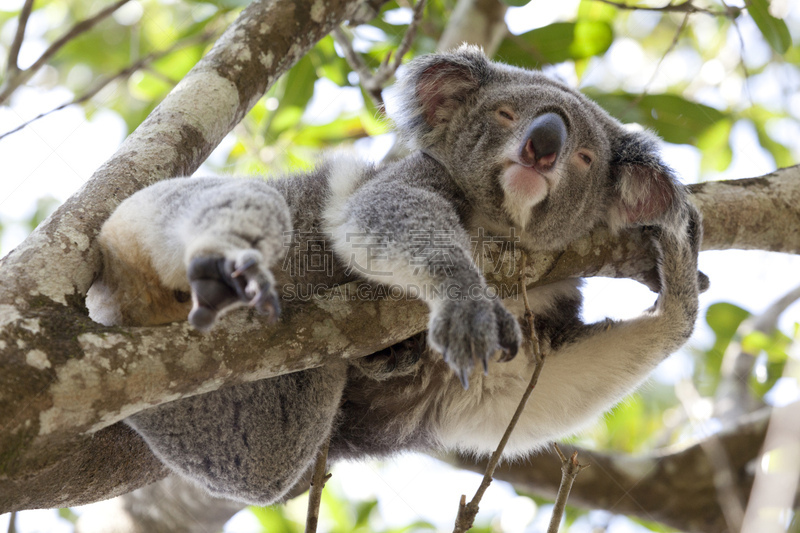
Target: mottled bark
[[478, 22]]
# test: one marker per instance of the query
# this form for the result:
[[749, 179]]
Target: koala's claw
[[218, 284], [468, 331], [463, 376]]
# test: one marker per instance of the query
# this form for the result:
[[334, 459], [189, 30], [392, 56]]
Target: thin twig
[[16, 44], [684, 7], [81, 27], [374, 82], [12, 522], [468, 511], [122, 74], [742, 64], [318, 480], [671, 47], [570, 468]]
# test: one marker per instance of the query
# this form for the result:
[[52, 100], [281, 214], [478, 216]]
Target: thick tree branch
[[675, 487]]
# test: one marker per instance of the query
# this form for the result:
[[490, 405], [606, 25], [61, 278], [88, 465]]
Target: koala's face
[[528, 151]]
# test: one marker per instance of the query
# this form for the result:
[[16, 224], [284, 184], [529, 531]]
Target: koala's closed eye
[[506, 114], [585, 157]]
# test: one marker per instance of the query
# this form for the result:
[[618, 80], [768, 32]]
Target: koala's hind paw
[[468, 331], [397, 360], [220, 283]]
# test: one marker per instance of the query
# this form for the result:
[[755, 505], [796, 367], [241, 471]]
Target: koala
[[494, 150]]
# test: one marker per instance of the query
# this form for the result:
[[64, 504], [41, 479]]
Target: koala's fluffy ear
[[646, 190], [434, 87]]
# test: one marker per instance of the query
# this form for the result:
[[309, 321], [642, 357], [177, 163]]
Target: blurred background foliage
[[690, 77]]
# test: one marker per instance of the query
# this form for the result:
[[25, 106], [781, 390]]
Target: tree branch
[[13, 51], [674, 487], [373, 83], [570, 468], [22, 76], [683, 7], [122, 74]]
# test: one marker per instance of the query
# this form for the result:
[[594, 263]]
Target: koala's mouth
[[526, 182]]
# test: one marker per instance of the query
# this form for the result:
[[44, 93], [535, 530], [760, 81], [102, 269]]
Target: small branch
[[570, 468], [12, 522], [16, 44], [671, 47], [374, 82], [318, 480], [742, 64], [685, 7], [81, 27], [724, 477], [468, 511], [122, 74]]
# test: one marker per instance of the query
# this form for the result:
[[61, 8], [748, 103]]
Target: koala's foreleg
[[604, 362], [209, 239], [417, 243]]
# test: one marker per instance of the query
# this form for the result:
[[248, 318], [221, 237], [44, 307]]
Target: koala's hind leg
[[250, 442], [208, 240]]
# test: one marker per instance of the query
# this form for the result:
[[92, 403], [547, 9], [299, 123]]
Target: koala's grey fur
[[494, 148]]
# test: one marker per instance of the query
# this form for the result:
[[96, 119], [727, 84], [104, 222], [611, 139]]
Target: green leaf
[[594, 10], [516, 3], [715, 147], [147, 87], [299, 84], [724, 319], [774, 30], [273, 519], [674, 118], [557, 42], [775, 345]]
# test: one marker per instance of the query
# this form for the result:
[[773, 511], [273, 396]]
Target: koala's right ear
[[434, 87], [646, 190]]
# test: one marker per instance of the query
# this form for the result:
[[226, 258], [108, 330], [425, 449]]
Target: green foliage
[[674, 118], [774, 30], [556, 43]]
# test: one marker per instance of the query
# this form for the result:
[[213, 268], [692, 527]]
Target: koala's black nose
[[546, 136]]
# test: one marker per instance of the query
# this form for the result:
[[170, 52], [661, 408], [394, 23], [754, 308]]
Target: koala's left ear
[[646, 190], [434, 87]]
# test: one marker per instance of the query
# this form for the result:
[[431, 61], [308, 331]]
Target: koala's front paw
[[218, 283], [467, 331]]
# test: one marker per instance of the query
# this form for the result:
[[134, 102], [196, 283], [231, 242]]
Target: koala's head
[[528, 151]]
